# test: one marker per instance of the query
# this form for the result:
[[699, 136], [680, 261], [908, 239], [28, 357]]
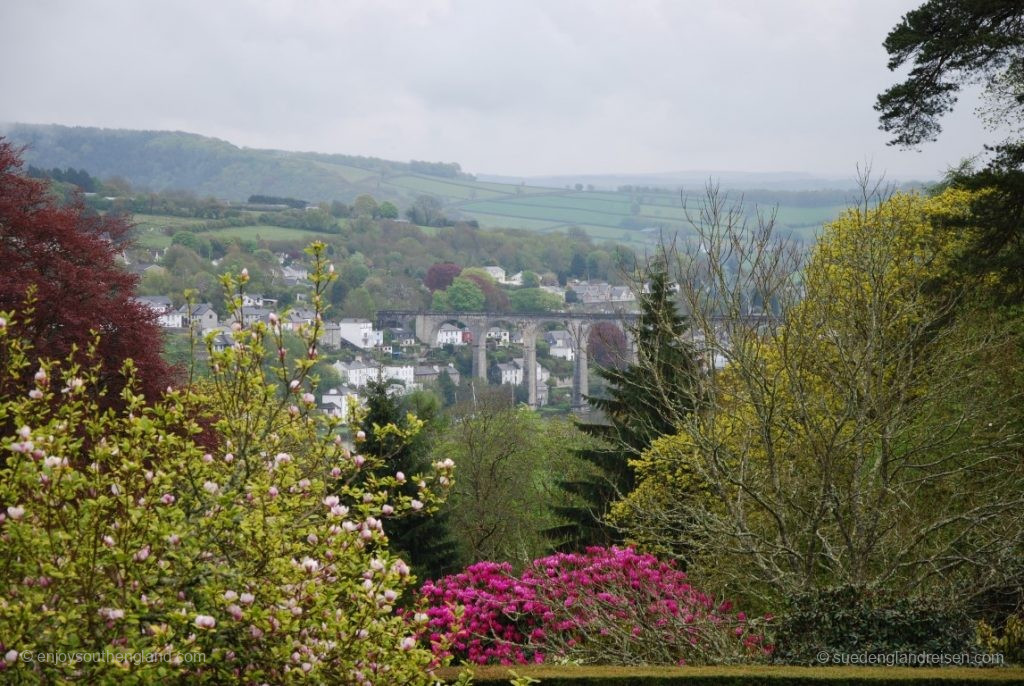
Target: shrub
[[265, 554], [610, 605], [857, 619], [1009, 642]]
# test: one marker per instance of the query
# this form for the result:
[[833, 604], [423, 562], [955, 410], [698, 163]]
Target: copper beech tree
[[60, 262]]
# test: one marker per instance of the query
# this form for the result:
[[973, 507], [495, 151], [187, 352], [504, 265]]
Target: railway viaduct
[[578, 324]]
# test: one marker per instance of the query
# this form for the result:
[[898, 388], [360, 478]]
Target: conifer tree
[[424, 541], [644, 400]]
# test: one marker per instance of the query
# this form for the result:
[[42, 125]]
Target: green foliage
[[856, 619], [952, 43], [464, 296], [226, 520], [359, 303], [401, 445], [533, 300], [427, 211], [644, 400], [508, 459], [439, 302], [1009, 642]]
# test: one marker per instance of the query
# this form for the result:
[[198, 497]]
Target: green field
[[149, 228], [150, 231], [267, 233], [632, 217], [347, 172], [445, 189]]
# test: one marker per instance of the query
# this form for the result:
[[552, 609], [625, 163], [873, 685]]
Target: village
[[360, 350]]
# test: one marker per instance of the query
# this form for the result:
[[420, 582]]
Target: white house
[[257, 300], [222, 341], [406, 373], [449, 334], [497, 273], [337, 401], [358, 373], [403, 338], [201, 316], [499, 335], [161, 306], [561, 345], [294, 274], [511, 373], [542, 374], [360, 333]]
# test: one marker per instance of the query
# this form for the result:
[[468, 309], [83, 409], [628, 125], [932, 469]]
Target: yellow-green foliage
[[1009, 643], [258, 556], [830, 439]]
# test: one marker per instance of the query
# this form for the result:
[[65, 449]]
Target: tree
[[506, 457], [495, 299], [142, 541], [834, 427], [447, 387], [952, 43], [359, 303], [530, 279], [365, 206], [426, 542], [533, 300], [426, 210], [388, 210], [465, 296], [439, 302], [61, 264], [440, 275], [607, 345], [644, 401]]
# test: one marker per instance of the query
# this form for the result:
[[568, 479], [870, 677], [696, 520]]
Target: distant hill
[[173, 160], [632, 208], [690, 180]]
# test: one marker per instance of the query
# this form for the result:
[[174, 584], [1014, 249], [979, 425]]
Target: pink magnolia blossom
[[205, 622]]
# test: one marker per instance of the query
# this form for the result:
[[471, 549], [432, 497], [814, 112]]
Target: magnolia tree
[[608, 605], [134, 551]]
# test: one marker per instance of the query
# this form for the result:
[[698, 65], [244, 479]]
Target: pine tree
[[643, 401], [425, 541]]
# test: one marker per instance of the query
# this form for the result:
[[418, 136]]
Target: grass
[[346, 172], [149, 228], [755, 674], [266, 233], [149, 231], [450, 190]]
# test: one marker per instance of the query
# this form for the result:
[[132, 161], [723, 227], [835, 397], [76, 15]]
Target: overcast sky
[[517, 87]]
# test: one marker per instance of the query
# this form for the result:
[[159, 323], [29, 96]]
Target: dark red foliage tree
[[495, 299], [440, 275], [68, 255], [607, 346]]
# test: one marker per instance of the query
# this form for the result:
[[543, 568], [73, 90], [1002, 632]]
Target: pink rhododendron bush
[[128, 550], [608, 605]]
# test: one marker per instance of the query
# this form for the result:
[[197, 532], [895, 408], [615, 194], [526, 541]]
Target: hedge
[[572, 675]]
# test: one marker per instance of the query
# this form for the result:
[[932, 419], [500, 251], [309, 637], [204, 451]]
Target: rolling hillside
[[161, 160]]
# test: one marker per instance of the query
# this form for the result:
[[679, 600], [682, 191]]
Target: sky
[[512, 87]]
